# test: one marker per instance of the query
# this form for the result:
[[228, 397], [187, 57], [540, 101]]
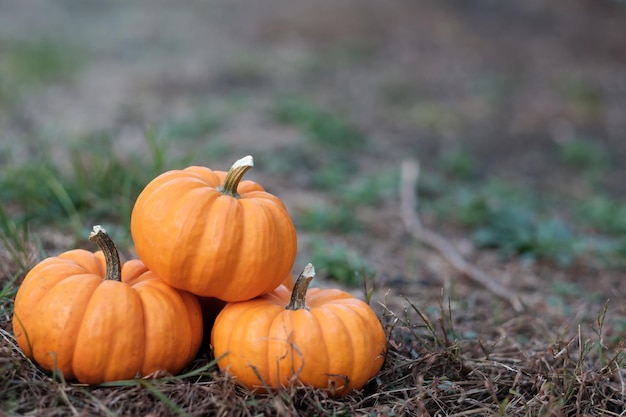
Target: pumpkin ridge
[[245, 269], [252, 189], [313, 316], [365, 323], [271, 221], [261, 194], [66, 343], [81, 258], [239, 323], [366, 316], [139, 290], [53, 275], [280, 296], [208, 177], [263, 343], [195, 315], [94, 344], [194, 204], [219, 177], [135, 272], [223, 210], [239, 252], [362, 319], [289, 247], [344, 368], [317, 296], [290, 252], [358, 369], [216, 341], [274, 360], [149, 292], [165, 184]]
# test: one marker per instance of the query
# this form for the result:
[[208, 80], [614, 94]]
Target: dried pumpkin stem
[[111, 256], [234, 176], [298, 294]]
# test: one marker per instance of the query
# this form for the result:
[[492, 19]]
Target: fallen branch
[[413, 224]]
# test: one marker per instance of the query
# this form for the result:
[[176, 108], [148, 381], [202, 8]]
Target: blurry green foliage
[[471, 203], [27, 64], [519, 221], [605, 213], [323, 127], [584, 154], [371, 189], [14, 239], [336, 219], [98, 186], [333, 173], [517, 231], [194, 126], [339, 263], [459, 163], [325, 170]]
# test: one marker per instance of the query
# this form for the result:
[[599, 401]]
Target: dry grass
[[430, 370]]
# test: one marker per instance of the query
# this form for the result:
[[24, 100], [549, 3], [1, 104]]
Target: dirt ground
[[507, 81]]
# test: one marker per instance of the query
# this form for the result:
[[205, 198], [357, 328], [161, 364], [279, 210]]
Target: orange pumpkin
[[95, 320], [327, 339], [289, 282], [212, 234], [211, 307]]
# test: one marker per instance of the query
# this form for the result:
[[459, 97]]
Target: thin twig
[[413, 224]]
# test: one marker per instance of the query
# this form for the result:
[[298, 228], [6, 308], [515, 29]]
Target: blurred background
[[516, 111]]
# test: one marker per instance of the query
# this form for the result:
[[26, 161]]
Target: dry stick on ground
[[413, 224]]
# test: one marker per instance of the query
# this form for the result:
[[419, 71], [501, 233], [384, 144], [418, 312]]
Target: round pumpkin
[[93, 319], [324, 338], [209, 233]]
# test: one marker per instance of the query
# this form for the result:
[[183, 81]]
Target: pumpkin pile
[[209, 244]]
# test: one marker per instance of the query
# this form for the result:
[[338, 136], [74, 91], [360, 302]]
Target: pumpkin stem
[[111, 256], [298, 294], [234, 176]]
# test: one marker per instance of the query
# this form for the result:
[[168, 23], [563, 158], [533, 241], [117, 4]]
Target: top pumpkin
[[211, 234]]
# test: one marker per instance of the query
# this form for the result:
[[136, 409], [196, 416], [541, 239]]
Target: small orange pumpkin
[[332, 341], [95, 320], [212, 234], [211, 307]]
